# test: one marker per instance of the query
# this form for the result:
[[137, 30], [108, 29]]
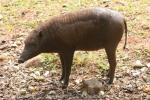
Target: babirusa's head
[[33, 44]]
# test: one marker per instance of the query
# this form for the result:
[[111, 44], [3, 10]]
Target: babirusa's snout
[[20, 60], [24, 57]]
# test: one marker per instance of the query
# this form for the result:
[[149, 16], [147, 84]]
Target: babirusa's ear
[[40, 34]]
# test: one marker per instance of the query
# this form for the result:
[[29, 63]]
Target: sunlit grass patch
[[87, 59], [50, 61]]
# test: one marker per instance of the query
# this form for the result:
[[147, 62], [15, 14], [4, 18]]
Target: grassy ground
[[136, 12]]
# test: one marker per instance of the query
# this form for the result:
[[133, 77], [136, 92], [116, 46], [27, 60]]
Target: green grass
[[50, 61]]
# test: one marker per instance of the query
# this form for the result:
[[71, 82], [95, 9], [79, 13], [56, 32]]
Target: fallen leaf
[[32, 89], [146, 89], [1, 17], [148, 65], [37, 73], [2, 58], [39, 78]]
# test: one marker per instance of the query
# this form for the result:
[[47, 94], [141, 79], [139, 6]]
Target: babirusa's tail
[[125, 34]]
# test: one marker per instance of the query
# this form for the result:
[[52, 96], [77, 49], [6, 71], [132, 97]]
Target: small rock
[[26, 97], [1, 94], [18, 43], [121, 3], [78, 80], [49, 98], [13, 45], [32, 89], [144, 69], [16, 67], [140, 88], [33, 75], [101, 93], [91, 86], [105, 1], [64, 6], [13, 97], [84, 93], [3, 47], [147, 97], [136, 73], [118, 75], [46, 74], [144, 78], [52, 93], [138, 64], [136, 97], [128, 88], [3, 41], [34, 62], [22, 91], [53, 71]]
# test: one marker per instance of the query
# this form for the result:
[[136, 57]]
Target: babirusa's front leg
[[61, 55], [66, 58]]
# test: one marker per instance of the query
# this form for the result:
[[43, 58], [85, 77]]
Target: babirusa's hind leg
[[111, 55]]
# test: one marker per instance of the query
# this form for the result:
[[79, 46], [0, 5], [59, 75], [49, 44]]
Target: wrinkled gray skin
[[88, 30]]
